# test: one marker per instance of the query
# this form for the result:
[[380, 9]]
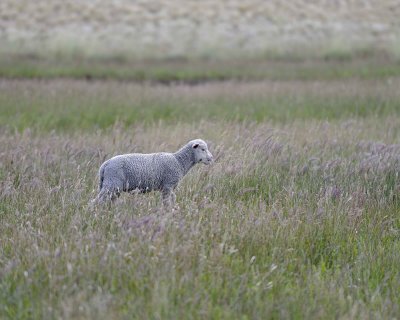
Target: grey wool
[[150, 172]]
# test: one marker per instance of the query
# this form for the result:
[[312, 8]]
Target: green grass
[[297, 219], [371, 65], [67, 105]]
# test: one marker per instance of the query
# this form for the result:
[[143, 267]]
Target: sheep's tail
[[101, 176]]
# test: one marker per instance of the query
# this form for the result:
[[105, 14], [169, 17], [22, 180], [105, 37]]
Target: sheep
[[150, 172]]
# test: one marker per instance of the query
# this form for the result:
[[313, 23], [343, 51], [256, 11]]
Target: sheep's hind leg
[[107, 196]]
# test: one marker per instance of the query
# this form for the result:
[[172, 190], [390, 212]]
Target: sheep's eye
[[203, 150]]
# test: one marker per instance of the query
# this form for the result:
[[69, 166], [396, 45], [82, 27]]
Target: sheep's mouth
[[205, 161]]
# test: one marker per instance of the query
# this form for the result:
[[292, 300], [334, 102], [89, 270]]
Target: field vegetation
[[208, 29], [371, 64], [297, 219]]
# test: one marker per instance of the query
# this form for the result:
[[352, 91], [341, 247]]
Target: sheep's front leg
[[173, 198], [168, 197]]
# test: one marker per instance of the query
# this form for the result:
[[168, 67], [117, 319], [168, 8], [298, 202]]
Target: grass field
[[226, 28], [297, 219], [369, 64]]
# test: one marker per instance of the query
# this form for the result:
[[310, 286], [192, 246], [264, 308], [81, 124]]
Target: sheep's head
[[201, 153]]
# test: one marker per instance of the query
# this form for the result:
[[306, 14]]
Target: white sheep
[[147, 172]]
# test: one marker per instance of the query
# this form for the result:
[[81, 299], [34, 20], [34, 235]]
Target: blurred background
[[126, 30]]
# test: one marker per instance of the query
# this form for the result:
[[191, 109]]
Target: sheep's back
[[146, 171]]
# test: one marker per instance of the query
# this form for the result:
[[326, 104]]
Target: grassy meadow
[[298, 218], [330, 65]]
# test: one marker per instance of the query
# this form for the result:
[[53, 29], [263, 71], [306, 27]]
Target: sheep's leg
[[107, 195], [167, 194], [99, 198], [173, 198], [174, 204], [168, 198]]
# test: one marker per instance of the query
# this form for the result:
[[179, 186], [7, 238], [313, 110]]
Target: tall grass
[[297, 218], [287, 223]]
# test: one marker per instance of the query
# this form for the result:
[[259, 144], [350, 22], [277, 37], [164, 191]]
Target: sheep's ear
[[195, 145]]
